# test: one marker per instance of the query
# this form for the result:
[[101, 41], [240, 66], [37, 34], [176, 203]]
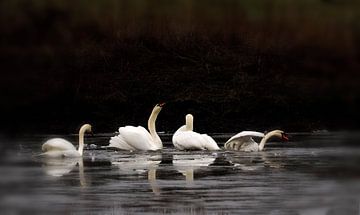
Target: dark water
[[311, 174]]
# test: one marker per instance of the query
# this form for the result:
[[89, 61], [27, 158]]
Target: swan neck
[[189, 125], [81, 141], [152, 127], [264, 140]]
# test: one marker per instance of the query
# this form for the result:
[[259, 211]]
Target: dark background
[[235, 65]]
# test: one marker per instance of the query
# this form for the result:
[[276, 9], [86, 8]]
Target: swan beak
[[161, 104], [284, 137]]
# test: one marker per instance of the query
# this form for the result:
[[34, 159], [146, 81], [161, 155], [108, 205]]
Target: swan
[[58, 147], [138, 138], [186, 139], [243, 141]]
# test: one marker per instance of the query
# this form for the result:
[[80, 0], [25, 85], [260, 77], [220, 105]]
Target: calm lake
[[311, 174]]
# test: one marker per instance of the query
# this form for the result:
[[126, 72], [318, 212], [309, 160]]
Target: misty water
[[312, 174]]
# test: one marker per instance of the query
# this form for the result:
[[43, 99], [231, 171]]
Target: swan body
[[186, 139], [244, 141], [138, 138], [58, 147]]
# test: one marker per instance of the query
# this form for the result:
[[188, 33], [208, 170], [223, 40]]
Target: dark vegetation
[[234, 64]]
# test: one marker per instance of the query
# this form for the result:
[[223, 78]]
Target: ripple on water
[[300, 177]]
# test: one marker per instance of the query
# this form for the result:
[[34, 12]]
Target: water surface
[[311, 174]]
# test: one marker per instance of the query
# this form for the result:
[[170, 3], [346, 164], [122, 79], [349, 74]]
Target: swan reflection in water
[[139, 164], [163, 165], [170, 166], [186, 164], [136, 164], [58, 167]]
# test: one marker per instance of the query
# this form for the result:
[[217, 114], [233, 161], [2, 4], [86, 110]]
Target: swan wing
[[120, 143], [57, 144], [245, 136], [210, 143], [137, 137], [188, 140], [243, 141], [175, 138]]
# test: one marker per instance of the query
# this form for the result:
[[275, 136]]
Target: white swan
[[138, 138], [186, 139], [58, 147], [243, 141]]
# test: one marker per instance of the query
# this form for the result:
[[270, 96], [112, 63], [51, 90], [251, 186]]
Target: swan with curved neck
[[152, 126], [58, 147], [138, 138], [243, 141], [186, 139]]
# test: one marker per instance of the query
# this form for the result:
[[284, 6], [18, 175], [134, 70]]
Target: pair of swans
[[186, 139], [130, 138], [138, 138]]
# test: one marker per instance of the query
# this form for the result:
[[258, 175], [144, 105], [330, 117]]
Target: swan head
[[189, 121], [280, 134], [158, 107], [161, 104], [86, 127]]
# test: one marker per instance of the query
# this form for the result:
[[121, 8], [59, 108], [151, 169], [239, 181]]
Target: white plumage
[[58, 147], [133, 138], [186, 139], [57, 144], [138, 138], [244, 141]]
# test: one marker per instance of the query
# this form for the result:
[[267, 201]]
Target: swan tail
[[119, 143], [116, 142], [210, 143]]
